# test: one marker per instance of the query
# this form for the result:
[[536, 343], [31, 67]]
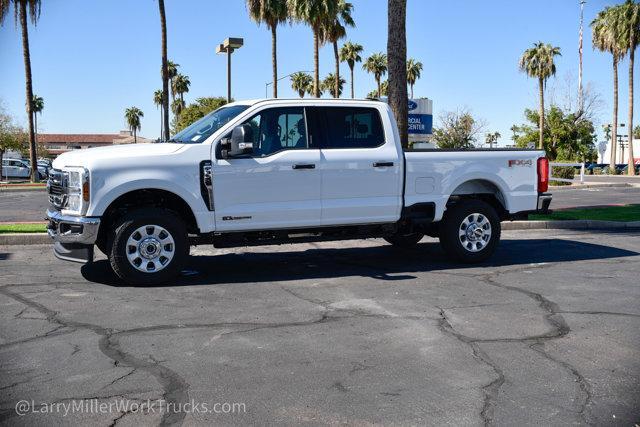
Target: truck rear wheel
[[470, 231], [150, 247]]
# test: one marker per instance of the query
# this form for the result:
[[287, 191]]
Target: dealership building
[[58, 143]]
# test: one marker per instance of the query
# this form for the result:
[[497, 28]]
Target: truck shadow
[[383, 262]]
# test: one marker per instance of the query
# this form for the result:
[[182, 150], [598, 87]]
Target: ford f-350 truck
[[283, 171]]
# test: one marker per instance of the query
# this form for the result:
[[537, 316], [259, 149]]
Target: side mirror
[[241, 140]]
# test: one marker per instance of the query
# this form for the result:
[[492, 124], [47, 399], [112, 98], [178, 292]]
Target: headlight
[[78, 190]]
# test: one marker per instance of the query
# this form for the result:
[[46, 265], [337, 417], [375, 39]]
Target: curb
[[554, 188], [25, 239], [10, 189], [579, 224]]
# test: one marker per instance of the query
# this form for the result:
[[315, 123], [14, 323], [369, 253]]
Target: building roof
[[78, 138]]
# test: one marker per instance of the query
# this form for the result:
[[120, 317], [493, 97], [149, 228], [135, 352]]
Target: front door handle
[[382, 164], [304, 166]]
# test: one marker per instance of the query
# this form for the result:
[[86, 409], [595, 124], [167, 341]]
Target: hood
[[88, 157]]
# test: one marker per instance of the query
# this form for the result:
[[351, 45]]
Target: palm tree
[[316, 13], [37, 107], [397, 62], [158, 100], [607, 38], [164, 134], [333, 30], [172, 72], [538, 62], [132, 115], [631, 39], [22, 8], [177, 105], [414, 68], [376, 64], [300, 82], [272, 13], [180, 85], [492, 138], [330, 83], [350, 53]]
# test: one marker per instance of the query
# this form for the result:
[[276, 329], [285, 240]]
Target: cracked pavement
[[358, 332]]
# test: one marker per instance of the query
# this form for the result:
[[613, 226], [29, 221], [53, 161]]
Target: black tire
[[474, 248], [407, 240], [150, 218]]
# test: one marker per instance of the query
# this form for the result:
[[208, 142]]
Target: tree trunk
[[161, 126], [337, 58], [35, 127], [397, 65], [614, 124], [165, 74], [274, 61], [352, 95], [411, 90], [316, 65], [631, 169], [379, 87], [27, 74], [135, 136], [541, 114]]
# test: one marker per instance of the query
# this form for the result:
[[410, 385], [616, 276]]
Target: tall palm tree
[[334, 30], [397, 62], [22, 9], [414, 69], [37, 107], [330, 83], [132, 116], [158, 100], [631, 39], [538, 62], [607, 38], [300, 82], [164, 134], [180, 85], [172, 72], [315, 13], [272, 13], [376, 64], [350, 53]]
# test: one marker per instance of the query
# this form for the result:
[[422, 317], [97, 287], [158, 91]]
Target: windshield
[[206, 126]]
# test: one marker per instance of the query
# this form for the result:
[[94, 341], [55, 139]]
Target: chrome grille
[[57, 188]]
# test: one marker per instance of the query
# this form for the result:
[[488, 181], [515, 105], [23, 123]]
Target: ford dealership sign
[[420, 117]]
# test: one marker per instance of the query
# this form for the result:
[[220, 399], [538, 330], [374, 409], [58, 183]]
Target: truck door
[[361, 170], [275, 187]]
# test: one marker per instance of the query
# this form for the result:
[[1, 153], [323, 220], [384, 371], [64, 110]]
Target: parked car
[[284, 171], [44, 165], [18, 168]]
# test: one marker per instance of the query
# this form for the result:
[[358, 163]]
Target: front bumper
[[73, 236]]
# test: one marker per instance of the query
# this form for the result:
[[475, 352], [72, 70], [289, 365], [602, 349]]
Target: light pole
[[228, 46], [266, 85]]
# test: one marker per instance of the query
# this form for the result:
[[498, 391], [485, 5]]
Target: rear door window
[[352, 127]]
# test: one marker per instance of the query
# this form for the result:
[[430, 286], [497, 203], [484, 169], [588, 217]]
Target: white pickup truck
[[276, 171]]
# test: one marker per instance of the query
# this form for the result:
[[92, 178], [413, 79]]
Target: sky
[[93, 59]]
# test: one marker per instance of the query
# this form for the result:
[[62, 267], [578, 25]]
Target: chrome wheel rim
[[150, 248], [474, 232]]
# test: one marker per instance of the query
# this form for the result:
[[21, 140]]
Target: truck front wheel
[[470, 231], [150, 247]]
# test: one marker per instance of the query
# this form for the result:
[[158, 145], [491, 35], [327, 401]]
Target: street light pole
[[228, 46], [266, 85]]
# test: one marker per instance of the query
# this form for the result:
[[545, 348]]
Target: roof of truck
[[322, 100]]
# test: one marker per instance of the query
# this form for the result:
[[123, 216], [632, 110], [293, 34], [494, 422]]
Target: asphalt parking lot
[[359, 333]]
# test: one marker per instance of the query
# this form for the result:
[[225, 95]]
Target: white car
[[275, 171], [18, 168]]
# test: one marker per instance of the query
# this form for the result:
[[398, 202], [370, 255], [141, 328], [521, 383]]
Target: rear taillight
[[543, 175]]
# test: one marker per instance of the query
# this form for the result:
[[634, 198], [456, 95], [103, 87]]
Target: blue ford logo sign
[[412, 105]]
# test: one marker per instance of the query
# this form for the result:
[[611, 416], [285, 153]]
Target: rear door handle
[[382, 164], [304, 166]]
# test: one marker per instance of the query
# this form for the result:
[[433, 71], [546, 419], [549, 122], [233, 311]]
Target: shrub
[[565, 172]]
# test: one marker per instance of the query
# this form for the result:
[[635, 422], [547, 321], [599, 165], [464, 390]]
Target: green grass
[[609, 213], [23, 228]]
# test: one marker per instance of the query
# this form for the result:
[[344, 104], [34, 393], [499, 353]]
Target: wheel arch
[[483, 189]]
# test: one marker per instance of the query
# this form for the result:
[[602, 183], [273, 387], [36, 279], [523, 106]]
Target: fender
[[104, 196], [494, 179]]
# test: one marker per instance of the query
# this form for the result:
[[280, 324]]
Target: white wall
[[621, 157]]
